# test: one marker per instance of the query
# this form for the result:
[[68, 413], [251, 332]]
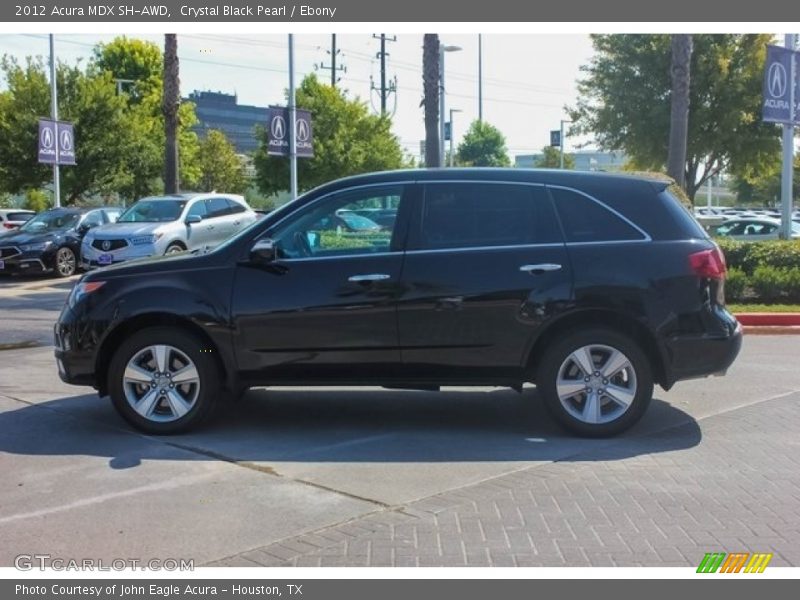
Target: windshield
[[153, 211], [51, 221], [355, 221]]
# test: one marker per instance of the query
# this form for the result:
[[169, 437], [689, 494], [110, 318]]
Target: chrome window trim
[[331, 257], [484, 248], [646, 236]]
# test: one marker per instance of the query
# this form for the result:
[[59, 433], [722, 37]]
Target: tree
[[679, 107], [170, 104], [135, 65], [551, 159], [483, 146], [221, 168], [347, 140], [430, 98], [36, 200], [89, 102], [624, 100]]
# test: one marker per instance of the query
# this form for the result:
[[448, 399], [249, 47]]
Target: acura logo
[[106, 245], [47, 138], [303, 130], [66, 140], [777, 80], [278, 127]]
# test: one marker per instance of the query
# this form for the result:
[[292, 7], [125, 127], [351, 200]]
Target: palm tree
[[430, 99], [169, 105], [680, 69]]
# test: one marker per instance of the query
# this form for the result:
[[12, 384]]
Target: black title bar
[[427, 11]]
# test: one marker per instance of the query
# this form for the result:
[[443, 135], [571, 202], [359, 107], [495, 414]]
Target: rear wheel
[[596, 383], [162, 382]]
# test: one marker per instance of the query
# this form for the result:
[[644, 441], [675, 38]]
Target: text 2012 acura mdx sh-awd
[[592, 286]]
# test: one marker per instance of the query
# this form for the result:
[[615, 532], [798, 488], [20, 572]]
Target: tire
[[144, 396], [65, 262], [593, 405], [174, 248]]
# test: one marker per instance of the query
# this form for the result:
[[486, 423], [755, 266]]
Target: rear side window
[[234, 207], [585, 220], [463, 215], [19, 216], [217, 207]]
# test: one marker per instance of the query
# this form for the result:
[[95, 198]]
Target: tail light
[[9, 225], [709, 264]]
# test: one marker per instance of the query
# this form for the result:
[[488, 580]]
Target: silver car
[[165, 225]]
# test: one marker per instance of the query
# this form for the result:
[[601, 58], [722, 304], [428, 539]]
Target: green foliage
[[768, 283], [624, 101], [6, 201], [137, 62], [119, 138], [36, 200], [551, 159], [347, 140], [735, 285], [221, 168], [483, 146], [748, 256]]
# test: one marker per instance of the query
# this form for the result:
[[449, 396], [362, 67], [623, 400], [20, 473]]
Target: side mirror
[[264, 251], [193, 219]]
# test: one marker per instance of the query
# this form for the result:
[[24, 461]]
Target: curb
[[769, 319], [771, 330]]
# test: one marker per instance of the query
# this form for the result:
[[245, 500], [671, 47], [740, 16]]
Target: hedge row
[[748, 256], [766, 284]]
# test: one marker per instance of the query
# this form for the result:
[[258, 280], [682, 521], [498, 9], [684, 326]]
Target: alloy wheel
[[65, 262]]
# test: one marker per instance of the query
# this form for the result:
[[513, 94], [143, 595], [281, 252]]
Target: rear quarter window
[[586, 220]]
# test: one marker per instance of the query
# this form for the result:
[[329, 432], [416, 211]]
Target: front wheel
[[596, 383], [65, 263], [174, 248], [163, 380]]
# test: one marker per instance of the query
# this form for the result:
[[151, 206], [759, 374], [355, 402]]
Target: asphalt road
[[284, 463]]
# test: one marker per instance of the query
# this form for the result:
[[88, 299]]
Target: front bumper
[[75, 366], [92, 258]]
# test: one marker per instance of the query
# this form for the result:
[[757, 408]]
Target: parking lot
[[370, 477]]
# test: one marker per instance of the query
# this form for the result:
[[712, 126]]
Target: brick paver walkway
[[634, 502]]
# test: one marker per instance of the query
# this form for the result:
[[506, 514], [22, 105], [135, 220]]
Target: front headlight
[[41, 246]]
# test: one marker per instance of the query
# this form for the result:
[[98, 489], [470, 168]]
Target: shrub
[[735, 285], [769, 283], [792, 284], [36, 200], [748, 256]]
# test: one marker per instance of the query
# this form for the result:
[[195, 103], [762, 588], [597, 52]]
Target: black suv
[[50, 242], [592, 286]]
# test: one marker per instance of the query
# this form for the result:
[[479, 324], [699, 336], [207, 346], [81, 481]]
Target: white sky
[[527, 78]]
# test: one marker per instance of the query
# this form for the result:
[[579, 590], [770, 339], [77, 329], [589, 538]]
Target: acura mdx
[[593, 287]]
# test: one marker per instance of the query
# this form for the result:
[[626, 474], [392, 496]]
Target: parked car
[[753, 229], [51, 241], [592, 286], [12, 218], [167, 225]]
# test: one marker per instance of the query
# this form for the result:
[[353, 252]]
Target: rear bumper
[[691, 357]]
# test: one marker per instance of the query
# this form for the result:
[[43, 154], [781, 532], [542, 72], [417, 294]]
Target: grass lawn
[[767, 308]]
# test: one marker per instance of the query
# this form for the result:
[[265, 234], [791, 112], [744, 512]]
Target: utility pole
[[561, 144], [790, 41], [54, 116], [333, 67], [291, 126], [384, 89]]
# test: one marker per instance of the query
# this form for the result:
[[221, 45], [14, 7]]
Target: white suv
[[165, 225]]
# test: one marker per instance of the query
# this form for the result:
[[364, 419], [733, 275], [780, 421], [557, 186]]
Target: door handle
[[368, 277], [540, 268]]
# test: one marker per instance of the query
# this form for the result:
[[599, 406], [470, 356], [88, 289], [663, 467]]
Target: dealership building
[[216, 110]]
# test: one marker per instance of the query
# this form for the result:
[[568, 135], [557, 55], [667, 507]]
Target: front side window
[[93, 219], [585, 220], [198, 209], [463, 215], [336, 226]]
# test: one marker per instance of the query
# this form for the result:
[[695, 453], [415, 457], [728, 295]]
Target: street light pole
[[291, 125], [442, 50], [480, 78], [452, 134], [561, 143], [54, 116], [787, 174]]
